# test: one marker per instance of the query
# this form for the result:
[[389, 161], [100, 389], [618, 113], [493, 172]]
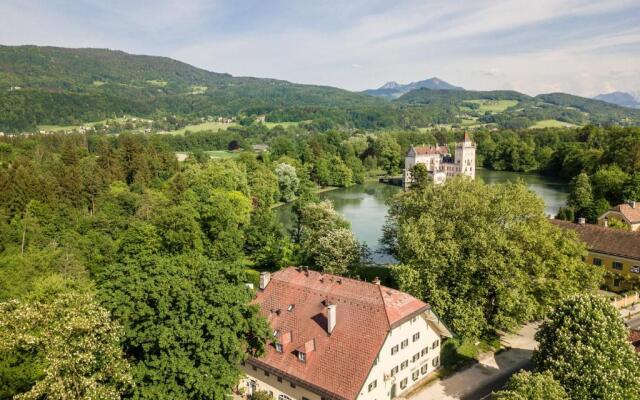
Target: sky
[[581, 47]]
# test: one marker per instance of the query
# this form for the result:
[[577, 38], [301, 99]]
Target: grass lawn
[[282, 124], [494, 106], [552, 123], [222, 154], [206, 126], [458, 353]]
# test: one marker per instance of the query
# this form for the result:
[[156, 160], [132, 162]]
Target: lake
[[365, 205]]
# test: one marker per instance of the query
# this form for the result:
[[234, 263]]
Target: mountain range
[[63, 86], [620, 98], [393, 90]]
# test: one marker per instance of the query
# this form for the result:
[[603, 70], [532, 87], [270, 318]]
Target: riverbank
[[321, 190]]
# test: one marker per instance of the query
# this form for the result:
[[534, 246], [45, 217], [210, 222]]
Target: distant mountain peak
[[394, 89], [619, 98], [390, 85]]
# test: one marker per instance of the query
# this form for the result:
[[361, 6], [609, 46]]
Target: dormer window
[[302, 356], [279, 347], [291, 306]]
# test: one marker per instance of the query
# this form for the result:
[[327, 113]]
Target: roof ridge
[[384, 305]]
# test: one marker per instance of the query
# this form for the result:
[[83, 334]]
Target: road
[[489, 374]]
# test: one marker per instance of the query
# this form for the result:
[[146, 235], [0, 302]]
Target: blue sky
[[534, 46]]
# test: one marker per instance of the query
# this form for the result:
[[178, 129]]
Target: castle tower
[[465, 157]]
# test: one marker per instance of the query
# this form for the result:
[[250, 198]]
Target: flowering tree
[[532, 386], [78, 341], [584, 344], [288, 181], [336, 251]]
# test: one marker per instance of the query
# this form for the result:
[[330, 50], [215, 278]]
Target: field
[[551, 123], [206, 126], [493, 106], [282, 124], [222, 154]]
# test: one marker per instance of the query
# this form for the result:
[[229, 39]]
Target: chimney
[[376, 280], [331, 317], [606, 222], [265, 278], [582, 221], [632, 203]]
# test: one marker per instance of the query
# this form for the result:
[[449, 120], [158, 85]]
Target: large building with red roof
[[440, 163], [339, 338]]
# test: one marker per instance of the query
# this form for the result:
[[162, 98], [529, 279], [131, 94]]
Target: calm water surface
[[365, 205]]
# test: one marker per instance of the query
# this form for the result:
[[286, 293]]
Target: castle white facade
[[440, 163]]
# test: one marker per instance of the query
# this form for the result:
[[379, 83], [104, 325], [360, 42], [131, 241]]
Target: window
[[254, 368], [404, 364], [435, 344], [293, 385], [415, 357], [375, 362], [304, 398], [635, 269], [283, 397], [403, 383], [280, 379], [424, 351], [415, 375], [373, 384], [302, 356], [394, 349], [617, 265], [394, 370], [266, 373], [597, 261], [424, 369], [416, 336], [279, 347], [436, 361], [404, 343], [616, 282]]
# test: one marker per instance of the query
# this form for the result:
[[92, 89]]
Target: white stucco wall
[[381, 373]]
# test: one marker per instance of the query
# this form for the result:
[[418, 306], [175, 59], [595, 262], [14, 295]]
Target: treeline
[[602, 163], [123, 273]]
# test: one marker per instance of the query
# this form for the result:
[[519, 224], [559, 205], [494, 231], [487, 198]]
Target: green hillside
[[510, 109], [45, 86], [59, 86]]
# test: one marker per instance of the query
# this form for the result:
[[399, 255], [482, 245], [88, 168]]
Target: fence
[[626, 301]]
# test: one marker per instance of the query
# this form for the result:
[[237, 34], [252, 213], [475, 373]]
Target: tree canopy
[[584, 344], [484, 256]]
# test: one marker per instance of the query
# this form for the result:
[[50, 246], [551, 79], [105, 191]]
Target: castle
[[439, 162]]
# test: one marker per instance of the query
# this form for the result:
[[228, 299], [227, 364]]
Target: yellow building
[[616, 250]]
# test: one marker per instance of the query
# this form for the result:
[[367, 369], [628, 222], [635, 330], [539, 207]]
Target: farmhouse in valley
[[341, 339], [440, 163]]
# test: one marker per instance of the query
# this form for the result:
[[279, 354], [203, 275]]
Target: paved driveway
[[478, 381]]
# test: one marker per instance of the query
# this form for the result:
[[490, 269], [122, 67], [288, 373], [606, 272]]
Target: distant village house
[[626, 214]]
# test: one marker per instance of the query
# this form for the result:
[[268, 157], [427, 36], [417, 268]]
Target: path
[[490, 373]]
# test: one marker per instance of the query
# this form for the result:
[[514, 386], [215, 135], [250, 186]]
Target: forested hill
[[49, 85], [518, 110]]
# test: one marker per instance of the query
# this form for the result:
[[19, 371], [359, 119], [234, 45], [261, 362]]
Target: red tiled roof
[[426, 150], [630, 214], [337, 364], [613, 241]]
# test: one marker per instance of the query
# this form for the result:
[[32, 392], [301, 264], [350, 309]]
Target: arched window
[[283, 397]]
